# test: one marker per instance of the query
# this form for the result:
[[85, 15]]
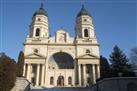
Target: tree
[[20, 64], [7, 72], [120, 65], [133, 57], [104, 67]]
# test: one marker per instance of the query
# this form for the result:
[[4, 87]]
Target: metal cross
[[42, 3], [83, 2]]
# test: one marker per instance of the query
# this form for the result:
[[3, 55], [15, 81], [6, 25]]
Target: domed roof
[[83, 11], [41, 11]]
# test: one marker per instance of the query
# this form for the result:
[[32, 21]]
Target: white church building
[[62, 60]]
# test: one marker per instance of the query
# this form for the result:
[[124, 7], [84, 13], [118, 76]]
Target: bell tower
[[84, 25], [39, 27]]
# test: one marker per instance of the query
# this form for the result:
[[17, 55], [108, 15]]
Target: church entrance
[[60, 81]]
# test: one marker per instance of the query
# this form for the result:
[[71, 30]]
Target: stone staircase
[[62, 89], [108, 84]]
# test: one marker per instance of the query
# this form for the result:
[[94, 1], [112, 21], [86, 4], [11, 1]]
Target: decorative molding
[[36, 56]]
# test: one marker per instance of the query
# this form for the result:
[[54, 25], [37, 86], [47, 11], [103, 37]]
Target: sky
[[115, 22]]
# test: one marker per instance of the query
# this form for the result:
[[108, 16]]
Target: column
[[42, 76], [79, 73], [24, 70], [93, 73], [46, 81], [84, 74], [98, 71], [37, 77], [28, 72], [55, 78]]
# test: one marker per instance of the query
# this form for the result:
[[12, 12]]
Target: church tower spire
[[84, 24], [39, 27]]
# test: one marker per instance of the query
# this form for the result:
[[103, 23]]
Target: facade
[[61, 60]]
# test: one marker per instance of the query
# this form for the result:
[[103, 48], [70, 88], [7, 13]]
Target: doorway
[[60, 81]]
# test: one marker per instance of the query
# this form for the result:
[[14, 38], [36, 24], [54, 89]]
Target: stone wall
[[21, 84], [116, 84]]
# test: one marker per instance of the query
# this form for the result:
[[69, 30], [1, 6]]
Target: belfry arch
[[61, 60]]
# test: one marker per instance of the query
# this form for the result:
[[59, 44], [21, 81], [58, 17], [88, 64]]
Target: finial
[[83, 3], [83, 6], [42, 4]]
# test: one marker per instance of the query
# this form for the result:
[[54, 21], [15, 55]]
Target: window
[[39, 19], [36, 50], [37, 32], [69, 81], [87, 51], [86, 33], [85, 19], [88, 80], [51, 80], [33, 81]]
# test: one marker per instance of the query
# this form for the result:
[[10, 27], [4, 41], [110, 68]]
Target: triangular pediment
[[34, 55], [85, 56]]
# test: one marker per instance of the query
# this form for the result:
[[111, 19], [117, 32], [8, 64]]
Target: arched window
[[70, 80], [51, 80], [32, 81], [86, 33], [39, 19], [37, 32]]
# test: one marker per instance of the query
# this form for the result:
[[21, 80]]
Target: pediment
[[35, 55], [88, 56]]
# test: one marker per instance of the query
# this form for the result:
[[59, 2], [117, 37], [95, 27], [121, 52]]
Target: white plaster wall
[[82, 50], [29, 49]]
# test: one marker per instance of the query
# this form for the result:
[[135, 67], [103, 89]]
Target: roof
[[83, 11], [41, 11]]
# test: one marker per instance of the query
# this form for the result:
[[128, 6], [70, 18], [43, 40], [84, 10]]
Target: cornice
[[60, 44], [35, 58]]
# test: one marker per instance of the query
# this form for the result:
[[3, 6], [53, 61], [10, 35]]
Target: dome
[[83, 11], [41, 11]]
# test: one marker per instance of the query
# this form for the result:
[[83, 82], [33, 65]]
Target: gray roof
[[83, 11], [41, 11]]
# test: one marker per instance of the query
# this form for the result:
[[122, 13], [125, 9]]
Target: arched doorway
[[60, 81]]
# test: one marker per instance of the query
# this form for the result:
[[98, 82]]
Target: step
[[62, 89]]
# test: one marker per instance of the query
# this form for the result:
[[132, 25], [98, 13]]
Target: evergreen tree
[[104, 67], [120, 66], [133, 58], [20, 64]]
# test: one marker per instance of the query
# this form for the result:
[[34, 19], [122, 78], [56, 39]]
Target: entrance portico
[[88, 69]]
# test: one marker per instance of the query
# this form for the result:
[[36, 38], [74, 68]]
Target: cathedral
[[61, 60]]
